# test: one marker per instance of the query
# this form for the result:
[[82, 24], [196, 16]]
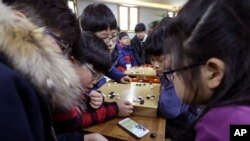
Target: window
[[128, 18], [72, 5]]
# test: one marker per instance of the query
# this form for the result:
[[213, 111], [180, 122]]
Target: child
[[61, 83], [126, 54], [91, 59], [99, 19], [210, 49], [138, 43], [30, 70], [179, 116]]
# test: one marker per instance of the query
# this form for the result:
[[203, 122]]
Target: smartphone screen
[[133, 127]]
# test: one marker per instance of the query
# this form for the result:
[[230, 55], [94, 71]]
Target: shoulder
[[7, 74], [12, 83], [224, 114], [134, 39], [207, 126]]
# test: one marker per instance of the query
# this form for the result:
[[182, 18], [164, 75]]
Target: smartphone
[[133, 127]]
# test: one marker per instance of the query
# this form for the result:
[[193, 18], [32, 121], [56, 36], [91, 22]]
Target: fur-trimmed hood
[[33, 54]]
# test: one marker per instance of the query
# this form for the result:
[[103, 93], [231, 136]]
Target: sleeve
[[133, 59], [121, 60], [136, 52], [99, 83], [169, 104], [75, 119], [115, 74], [20, 111]]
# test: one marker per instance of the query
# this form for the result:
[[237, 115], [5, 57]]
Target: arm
[[99, 83], [169, 105], [75, 119], [115, 74], [121, 61], [136, 46], [133, 59], [118, 76]]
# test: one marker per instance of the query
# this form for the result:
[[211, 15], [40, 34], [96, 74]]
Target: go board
[[144, 96], [141, 71]]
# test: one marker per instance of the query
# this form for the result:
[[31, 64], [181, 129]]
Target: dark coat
[[139, 50], [23, 115]]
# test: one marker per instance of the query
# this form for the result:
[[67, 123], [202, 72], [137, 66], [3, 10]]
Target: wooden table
[[145, 114], [145, 74], [113, 132], [141, 71], [144, 96]]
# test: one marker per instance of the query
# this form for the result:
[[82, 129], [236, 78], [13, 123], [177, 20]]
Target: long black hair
[[220, 29]]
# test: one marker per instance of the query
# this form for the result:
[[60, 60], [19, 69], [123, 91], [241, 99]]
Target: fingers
[[98, 102], [95, 94], [126, 80], [96, 99], [127, 103], [126, 109], [130, 108], [95, 106], [129, 79]]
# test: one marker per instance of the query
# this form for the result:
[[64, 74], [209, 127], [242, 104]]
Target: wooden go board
[[144, 96], [141, 71]]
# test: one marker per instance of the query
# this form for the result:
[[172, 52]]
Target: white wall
[[146, 15]]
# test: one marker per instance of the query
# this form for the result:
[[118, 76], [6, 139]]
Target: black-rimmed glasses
[[169, 73], [64, 45], [96, 76], [113, 39]]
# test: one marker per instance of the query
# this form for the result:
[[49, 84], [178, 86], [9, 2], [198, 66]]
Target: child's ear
[[214, 72]]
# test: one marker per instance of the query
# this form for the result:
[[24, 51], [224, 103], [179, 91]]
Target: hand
[[125, 108], [125, 79], [94, 137], [96, 99]]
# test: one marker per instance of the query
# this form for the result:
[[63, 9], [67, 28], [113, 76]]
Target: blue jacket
[[99, 84], [114, 73], [126, 56], [171, 107]]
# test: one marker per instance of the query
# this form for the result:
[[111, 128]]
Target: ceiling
[[169, 2], [171, 5]]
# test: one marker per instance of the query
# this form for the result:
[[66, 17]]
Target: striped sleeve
[[75, 119]]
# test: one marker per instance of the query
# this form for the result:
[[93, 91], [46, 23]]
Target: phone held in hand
[[133, 127]]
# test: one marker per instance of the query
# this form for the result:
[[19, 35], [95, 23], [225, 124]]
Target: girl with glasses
[[209, 44]]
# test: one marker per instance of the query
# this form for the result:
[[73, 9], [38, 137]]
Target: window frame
[[129, 18], [75, 9]]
